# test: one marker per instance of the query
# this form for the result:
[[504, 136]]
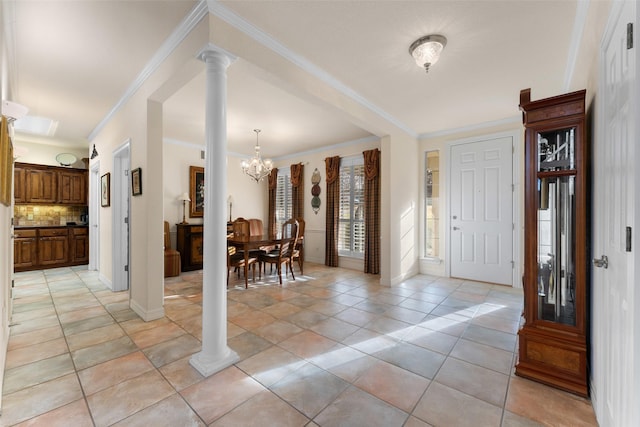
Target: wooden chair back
[[241, 228], [167, 237]]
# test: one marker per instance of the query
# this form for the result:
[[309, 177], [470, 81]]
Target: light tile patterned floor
[[333, 348]]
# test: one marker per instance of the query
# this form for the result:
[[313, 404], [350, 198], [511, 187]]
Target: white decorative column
[[215, 354]]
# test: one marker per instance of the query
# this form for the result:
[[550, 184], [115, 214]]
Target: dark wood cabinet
[[190, 245], [50, 184], [553, 339], [79, 245], [42, 185], [25, 249], [53, 247], [19, 185], [72, 187], [47, 247]]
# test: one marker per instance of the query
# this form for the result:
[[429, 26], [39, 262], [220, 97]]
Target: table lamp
[[184, 198]]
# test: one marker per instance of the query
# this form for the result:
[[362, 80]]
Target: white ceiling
[[73, 60]]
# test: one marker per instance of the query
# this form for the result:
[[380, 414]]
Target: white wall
[[45, 153], [250, 199]]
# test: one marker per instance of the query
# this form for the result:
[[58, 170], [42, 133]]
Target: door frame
[[120, 202], [94, 217], [517, 175]]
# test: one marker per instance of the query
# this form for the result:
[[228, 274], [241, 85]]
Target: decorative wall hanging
[[136, 182], [196, 191], [315, 191], [105, 190]]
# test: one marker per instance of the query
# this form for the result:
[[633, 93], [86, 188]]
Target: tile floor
[[332, 348]]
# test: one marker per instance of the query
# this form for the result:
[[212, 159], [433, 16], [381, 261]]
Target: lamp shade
[[184, 197]]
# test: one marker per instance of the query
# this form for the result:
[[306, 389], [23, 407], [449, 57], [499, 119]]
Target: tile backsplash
[[47, 214]]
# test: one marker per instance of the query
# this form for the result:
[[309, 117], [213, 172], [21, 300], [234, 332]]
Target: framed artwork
[[196, 191], [105, 190], [6, 164], [136, 182]]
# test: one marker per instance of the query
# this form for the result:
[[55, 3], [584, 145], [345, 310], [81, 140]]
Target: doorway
[[616, 331], [94, 217], [481, 195], [120, 206]]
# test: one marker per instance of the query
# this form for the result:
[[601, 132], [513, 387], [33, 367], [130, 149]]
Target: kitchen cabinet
[[72, 187], [19, 185], [553, 340], [40, 184], [53, 246], [25, 249], [36, 248], [79, 244], [190, 245]]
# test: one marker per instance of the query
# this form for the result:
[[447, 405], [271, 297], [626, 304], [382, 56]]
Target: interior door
[[481, 222], [614, 182], [120, 206]]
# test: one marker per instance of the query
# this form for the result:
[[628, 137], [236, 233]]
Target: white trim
[[230, 17], [582, 9], [478, 126], [94, 216], [517, 251], [146, 315], [175, 38], [105, 280], [364, 140], [120, 195]]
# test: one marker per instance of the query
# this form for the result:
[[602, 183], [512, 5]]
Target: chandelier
[[426, 50], [257, 168]]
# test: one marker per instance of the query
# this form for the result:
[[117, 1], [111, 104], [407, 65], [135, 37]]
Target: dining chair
[[298, 251], [241, 228], [283, 254], [236, 260]]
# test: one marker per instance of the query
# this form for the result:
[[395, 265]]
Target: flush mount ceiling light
[[426, 50], [257, 168]]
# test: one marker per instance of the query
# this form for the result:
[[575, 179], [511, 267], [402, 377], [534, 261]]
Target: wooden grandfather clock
[[553, 339]]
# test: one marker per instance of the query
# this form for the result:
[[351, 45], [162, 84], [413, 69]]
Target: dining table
[[246, 243]]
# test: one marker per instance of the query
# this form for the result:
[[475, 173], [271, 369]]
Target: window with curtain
[[351, 222], [284, 202]]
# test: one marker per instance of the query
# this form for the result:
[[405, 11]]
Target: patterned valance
[[296, 174], [333, 168], [371, 163]]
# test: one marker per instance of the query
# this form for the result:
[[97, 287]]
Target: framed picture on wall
[[105, 190], [6, 164], [196, 191], [136, 182]]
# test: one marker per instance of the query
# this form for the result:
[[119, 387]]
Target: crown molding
[[168, 46], [479, 126], [582, 9], [364, 140], [230, 17]]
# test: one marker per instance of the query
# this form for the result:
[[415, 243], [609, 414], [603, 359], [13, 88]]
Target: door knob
[[603, 262], [456, 228]]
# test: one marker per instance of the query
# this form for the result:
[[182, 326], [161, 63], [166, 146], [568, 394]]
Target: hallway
[[332, 348]]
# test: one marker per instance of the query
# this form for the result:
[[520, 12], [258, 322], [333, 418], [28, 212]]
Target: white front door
[[481, 197], [614, 361]]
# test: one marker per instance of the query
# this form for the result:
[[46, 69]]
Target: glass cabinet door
[[556, 250], [556, 226]]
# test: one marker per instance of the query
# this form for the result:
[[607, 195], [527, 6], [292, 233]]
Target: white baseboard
[[144, 314], [105, 281]]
